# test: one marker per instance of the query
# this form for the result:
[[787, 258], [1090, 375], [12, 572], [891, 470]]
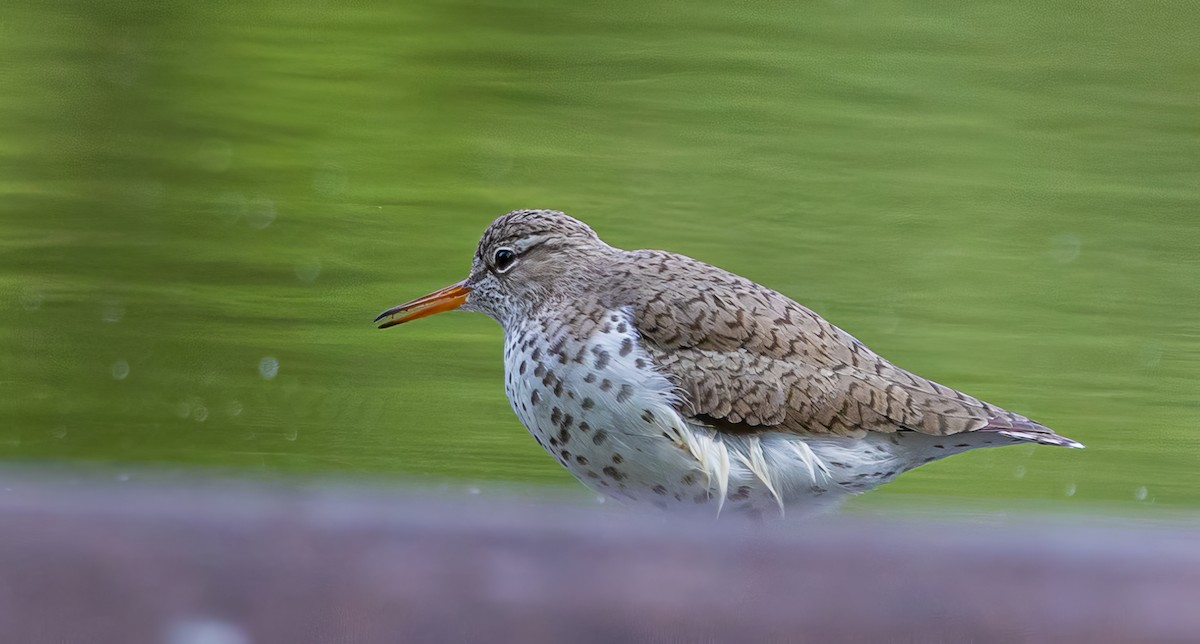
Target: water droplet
[[112, 312], [601, 499], [183, 409], [233, 409], [231, 206], [268, 368], [59, 432], [308, 271], [122, 477], [1069, 490], [291, 435], [473, 491], [31, 298], [120, 369], [215, 155], [1151, 354], [122, 67], [146, 195], [199, 413], [329, 180], [494, 163], [1019, 472], [260, 213], [1065, 248], [889, 321], [205, 631], [1141, 493]]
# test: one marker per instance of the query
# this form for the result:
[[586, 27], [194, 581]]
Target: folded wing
[[749, 359]]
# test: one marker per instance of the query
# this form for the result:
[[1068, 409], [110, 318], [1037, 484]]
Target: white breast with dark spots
[[600, 409]]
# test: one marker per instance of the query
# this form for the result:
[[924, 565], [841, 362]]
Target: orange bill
[[446, 299]]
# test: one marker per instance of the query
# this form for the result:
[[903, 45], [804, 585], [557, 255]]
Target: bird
[[658, 379]]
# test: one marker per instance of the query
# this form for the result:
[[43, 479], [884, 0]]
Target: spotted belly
[[600, 407]]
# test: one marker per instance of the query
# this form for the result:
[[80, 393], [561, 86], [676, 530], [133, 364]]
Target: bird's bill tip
[[446, 299]]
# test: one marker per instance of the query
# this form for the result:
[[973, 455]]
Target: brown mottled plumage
[[756, 359], [690, 381]]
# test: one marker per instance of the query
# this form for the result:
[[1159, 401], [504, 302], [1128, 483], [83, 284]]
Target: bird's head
[[525, 259]]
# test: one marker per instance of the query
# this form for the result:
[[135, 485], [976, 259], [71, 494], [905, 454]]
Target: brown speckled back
[[751, 359]]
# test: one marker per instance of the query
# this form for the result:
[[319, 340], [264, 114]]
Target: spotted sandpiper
[[655, 377]]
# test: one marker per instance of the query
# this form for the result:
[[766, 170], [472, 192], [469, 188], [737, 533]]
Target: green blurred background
[[203, 205]]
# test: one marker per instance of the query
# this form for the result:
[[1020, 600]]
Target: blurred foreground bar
[[89, 562]]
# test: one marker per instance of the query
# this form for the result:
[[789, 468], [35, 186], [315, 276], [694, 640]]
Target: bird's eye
[[505, 258]]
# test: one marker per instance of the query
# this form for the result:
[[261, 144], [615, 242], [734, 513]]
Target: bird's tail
[[1045, 437], [1018, 427]]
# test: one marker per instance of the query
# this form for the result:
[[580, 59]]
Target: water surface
[[202, 206]]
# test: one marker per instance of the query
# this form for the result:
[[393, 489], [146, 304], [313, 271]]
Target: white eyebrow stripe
[[521, 245]]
